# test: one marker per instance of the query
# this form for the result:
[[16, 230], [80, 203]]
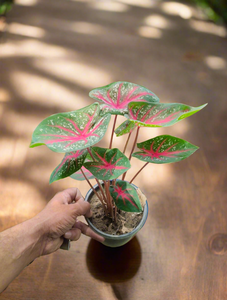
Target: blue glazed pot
[[116, 240]]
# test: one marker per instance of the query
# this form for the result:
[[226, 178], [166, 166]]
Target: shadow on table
[[114, 265]]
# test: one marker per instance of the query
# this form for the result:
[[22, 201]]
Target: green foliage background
[[216, 10], [5, 6]]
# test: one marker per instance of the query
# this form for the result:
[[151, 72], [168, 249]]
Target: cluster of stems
[[104, 196]]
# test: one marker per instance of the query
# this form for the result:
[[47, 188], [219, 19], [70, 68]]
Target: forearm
[[43, 234], [19, 246]]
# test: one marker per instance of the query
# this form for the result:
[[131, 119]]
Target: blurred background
[[52, 53]]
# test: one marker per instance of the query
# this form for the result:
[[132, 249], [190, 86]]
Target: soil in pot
[[125, 221]]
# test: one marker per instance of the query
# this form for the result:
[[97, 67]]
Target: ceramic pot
[[116, 240]]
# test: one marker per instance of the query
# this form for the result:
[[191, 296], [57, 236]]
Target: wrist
[[33, 240]]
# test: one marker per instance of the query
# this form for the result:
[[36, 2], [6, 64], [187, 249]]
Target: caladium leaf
[[108, 164], [126, 127], [161, 114], [105, 110], [70, 164], [117, 95], [72, 131], [79, 175], [164, 149], [125, 196]]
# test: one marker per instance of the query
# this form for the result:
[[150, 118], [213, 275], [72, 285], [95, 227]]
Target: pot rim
[[122, 236]]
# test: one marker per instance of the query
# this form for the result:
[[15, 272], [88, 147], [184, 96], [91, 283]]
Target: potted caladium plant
[[115, 202]]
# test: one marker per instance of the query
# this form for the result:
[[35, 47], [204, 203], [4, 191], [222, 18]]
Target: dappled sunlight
[[6, 150], [33, 48], [21, 199], [85, 28], [140, 3], [215, 62], [109, 6], [149, 32], [206, 27], [156, 175], [25, 124], [82, 1], [41, 174], [177, 9], [157, 21], [45, 92], [26, 2], [1, 110], [153, 175], [73, 71], [4, 95], [81, 27], [177, 130], [25, 30], [54, 53], [13, 152], [44, 162]]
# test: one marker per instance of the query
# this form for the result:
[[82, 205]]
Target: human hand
[[59, 219]]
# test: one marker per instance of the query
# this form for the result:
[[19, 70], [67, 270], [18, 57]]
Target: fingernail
[[68, 235]]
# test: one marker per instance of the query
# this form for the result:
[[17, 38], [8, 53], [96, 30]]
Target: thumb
[[81, 208]]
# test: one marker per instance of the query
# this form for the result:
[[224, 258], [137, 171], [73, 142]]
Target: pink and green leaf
[[161, 114], [105, 110], [72, 131], [125, 196], [164, 149], [116, 96], [126, 127], [108, 164], [79, 175], [70, 164]]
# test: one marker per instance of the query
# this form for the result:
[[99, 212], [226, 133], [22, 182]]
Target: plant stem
[[111, 139], [115, 212], [111, 202], [107, 197], [126, 144], [133, 147], [93, 189], [89, 151], [139, 172], [100, 187], [134, 144]]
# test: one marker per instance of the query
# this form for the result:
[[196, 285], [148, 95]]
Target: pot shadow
[[114, 265]]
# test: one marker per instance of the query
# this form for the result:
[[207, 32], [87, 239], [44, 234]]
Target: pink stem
[[94, 190], [107, 200], [139, 171], [111, 139], [110, 199], [134, 144], [100, 187], [133, 147], [126, 144], [89, 151]]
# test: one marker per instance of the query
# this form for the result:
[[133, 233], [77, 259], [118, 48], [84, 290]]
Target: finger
[[88, 232], [82, 208], [68, 196], [73, 234]]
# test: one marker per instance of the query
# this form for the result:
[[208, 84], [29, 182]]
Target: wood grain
[[181, 253]]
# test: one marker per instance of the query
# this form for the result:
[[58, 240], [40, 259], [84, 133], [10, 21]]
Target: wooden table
[[180, 254]]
